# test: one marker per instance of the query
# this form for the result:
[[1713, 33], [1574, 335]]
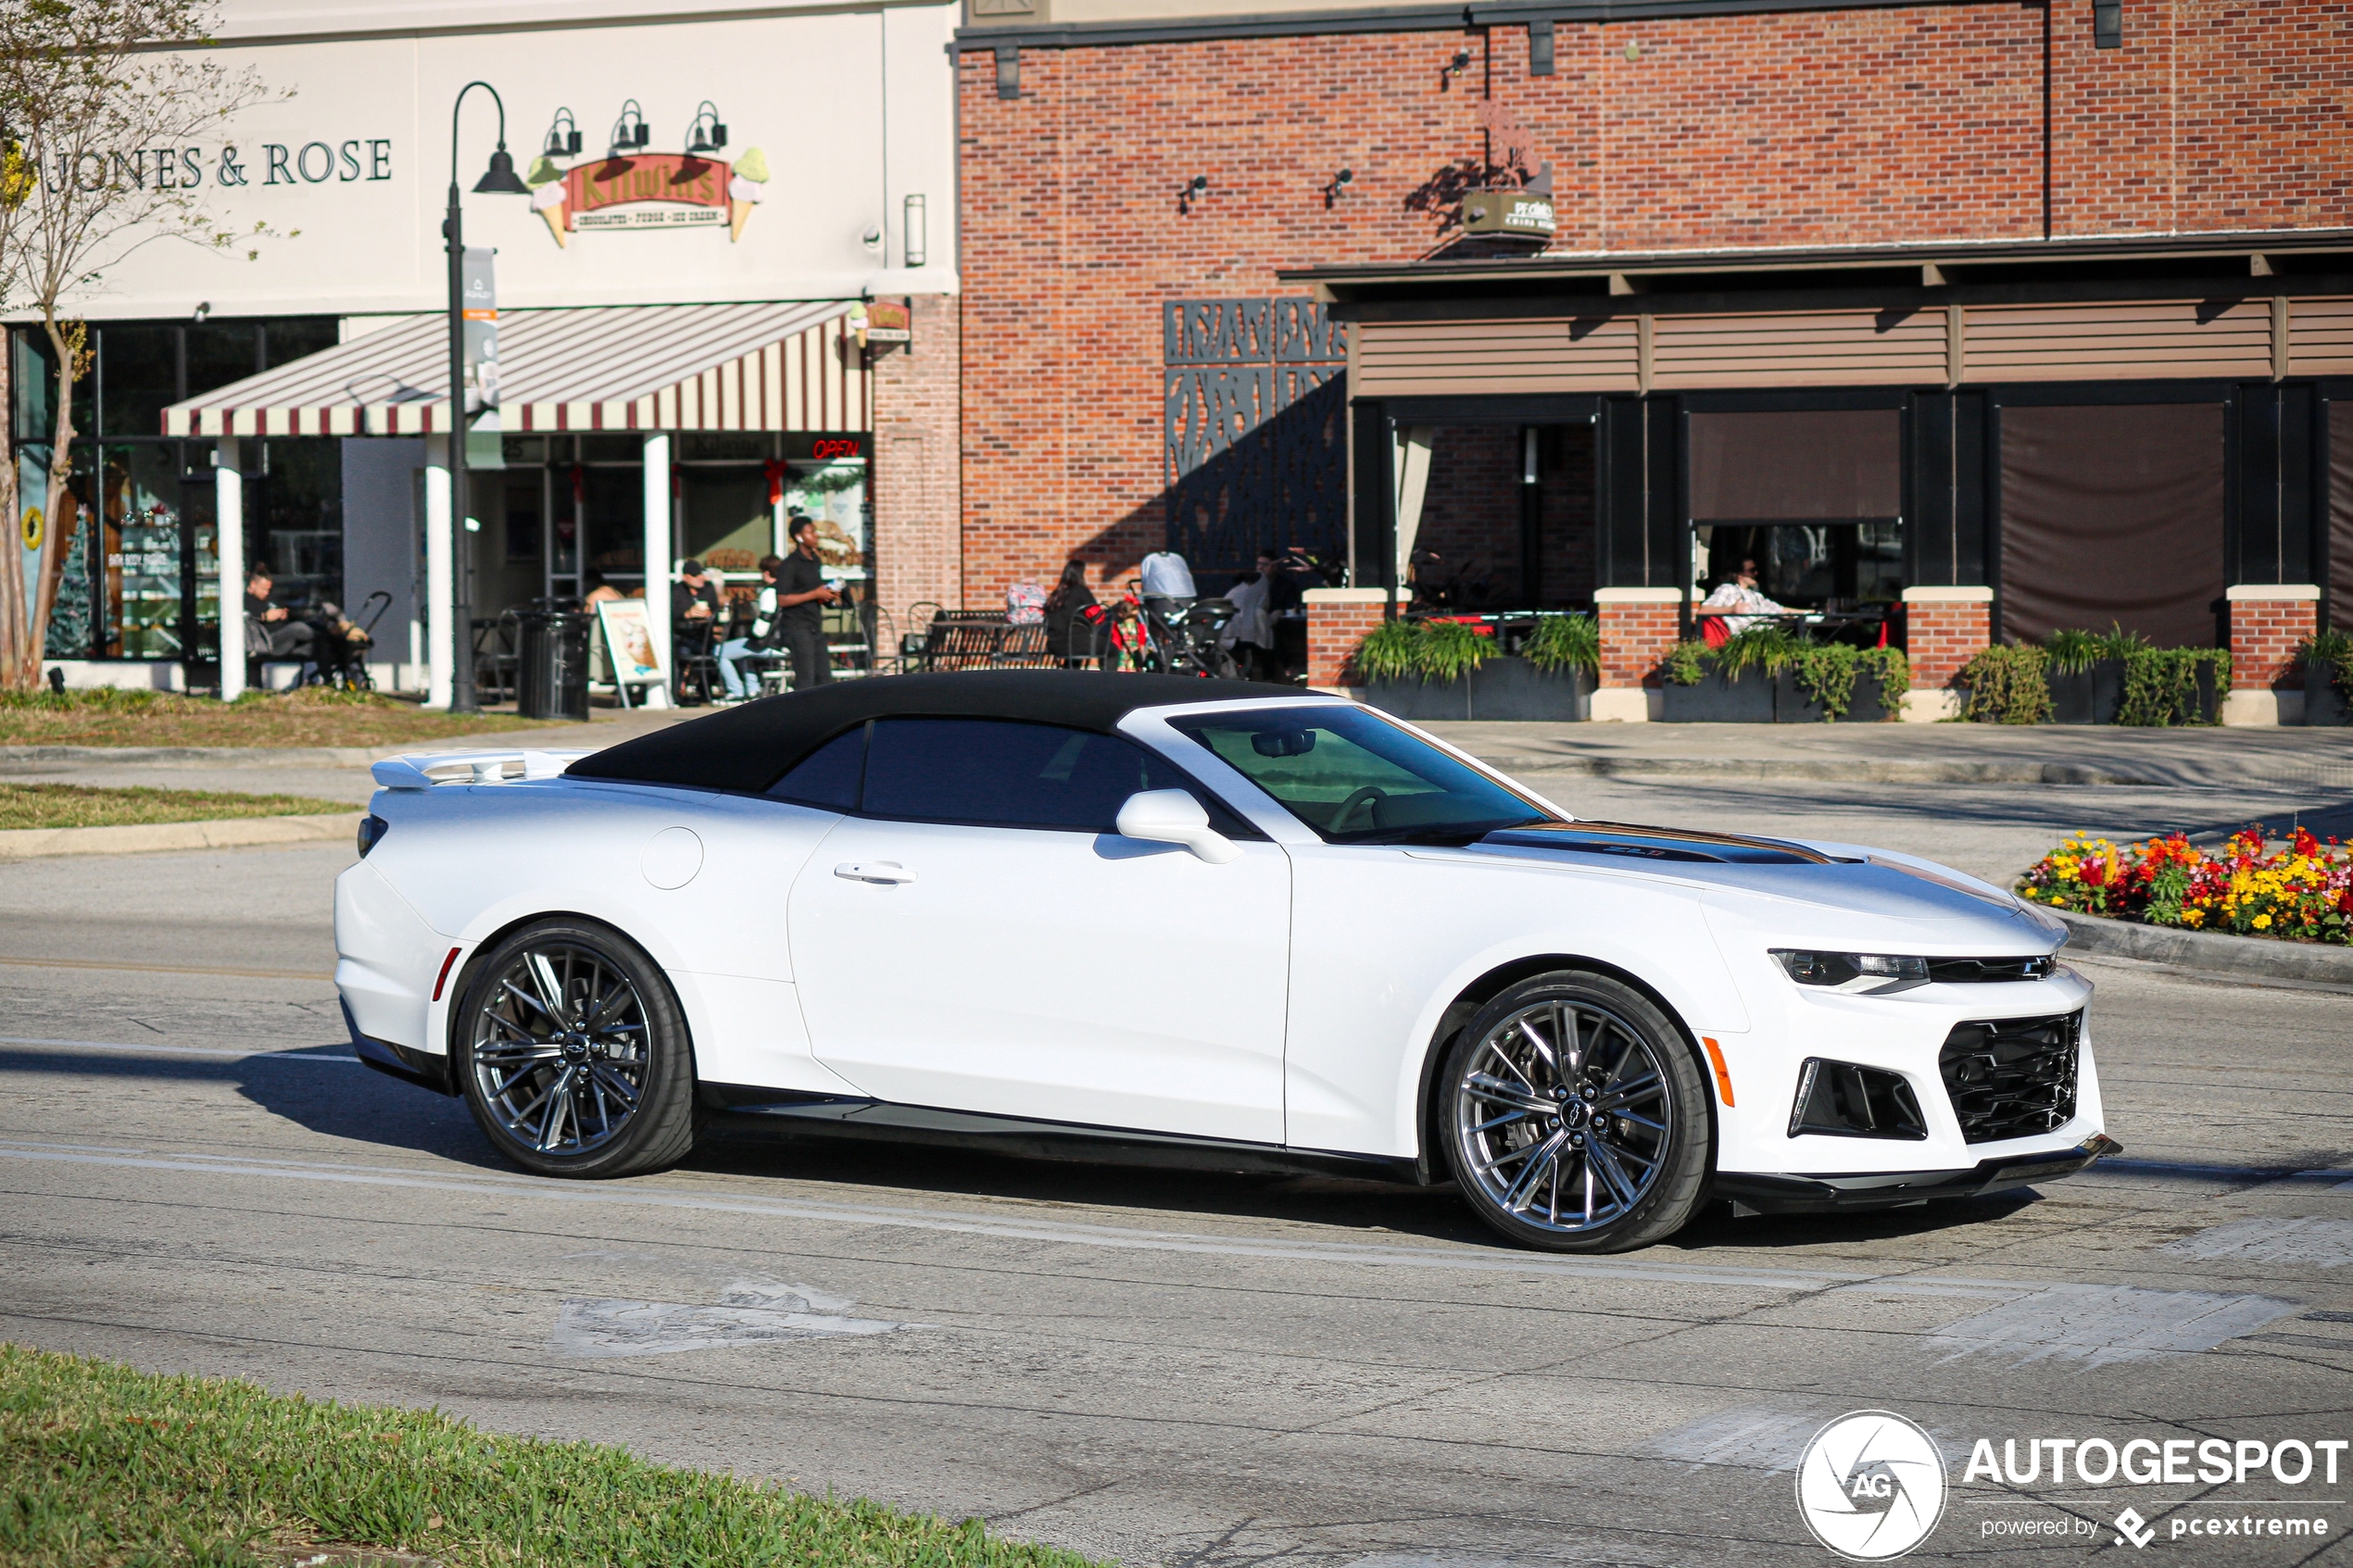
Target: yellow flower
[[2262, 922]]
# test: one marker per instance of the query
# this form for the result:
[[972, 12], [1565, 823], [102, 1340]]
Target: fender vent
[[2013, 1077]]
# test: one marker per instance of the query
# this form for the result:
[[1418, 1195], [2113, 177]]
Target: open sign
[[834, 446]]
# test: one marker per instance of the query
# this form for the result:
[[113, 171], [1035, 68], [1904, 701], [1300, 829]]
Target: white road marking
[[748, 1312], [230, 1053], [644, 1193], [1761, 1437], [2100, 1324], [2327, 1243]]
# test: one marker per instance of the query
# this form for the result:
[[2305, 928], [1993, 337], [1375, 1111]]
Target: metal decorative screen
[[1255, 397]]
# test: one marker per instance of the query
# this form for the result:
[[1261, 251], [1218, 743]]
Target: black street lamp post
[[499, 181]]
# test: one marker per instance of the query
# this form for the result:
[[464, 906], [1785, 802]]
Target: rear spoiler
[[417, 771]]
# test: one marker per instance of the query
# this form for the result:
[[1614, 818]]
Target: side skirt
[[746, 1110]]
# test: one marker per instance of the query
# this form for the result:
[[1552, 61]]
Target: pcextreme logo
[[1871, 1486]]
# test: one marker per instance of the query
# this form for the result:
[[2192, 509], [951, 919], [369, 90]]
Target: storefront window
[[834, 493], [728, 523], [294, 521], [138, 375], [141, 486], [613, 501], [221, 352]]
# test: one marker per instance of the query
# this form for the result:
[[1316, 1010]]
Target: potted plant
[[2169, 686], [2085, 673], [1402, 674], [1731, 684], [1552, 676], [2327, 658], [2006, 686], [1826, 681]]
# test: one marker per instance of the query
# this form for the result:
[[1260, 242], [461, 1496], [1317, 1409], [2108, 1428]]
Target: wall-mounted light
[[1332, 187], [630, 131], [1453, 68], [563, 136], [911, 229], [872, 237], [708, 132], [1191, 192]]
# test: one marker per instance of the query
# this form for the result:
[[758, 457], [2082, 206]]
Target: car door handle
[[874, 871]]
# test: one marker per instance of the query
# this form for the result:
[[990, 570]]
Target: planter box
[[1792, 706], [1500, 688], [1421, 699], [2323, 703], [1513, 689], [2088, 697], [1716, 700]]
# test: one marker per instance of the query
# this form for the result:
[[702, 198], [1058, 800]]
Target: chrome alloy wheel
[[559, 1048], [1563, 1116]]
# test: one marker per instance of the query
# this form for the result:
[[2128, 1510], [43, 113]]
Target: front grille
[[1982, 971], [2011, 1078]]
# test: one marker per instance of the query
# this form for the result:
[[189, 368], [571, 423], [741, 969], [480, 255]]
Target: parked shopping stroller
[[339, 645]]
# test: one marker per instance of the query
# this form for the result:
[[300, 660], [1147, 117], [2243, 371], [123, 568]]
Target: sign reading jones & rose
[[186, 169]]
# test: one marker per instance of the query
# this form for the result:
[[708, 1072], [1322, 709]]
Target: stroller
[[339, 645]]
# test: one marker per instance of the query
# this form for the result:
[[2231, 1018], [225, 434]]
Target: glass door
[[146, 615]]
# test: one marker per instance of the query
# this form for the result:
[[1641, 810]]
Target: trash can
[[553, 680]]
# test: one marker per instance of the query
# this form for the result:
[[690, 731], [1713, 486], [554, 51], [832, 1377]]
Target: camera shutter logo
[[1871, 1486]]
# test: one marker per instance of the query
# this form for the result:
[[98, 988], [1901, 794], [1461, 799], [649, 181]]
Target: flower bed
[[2302, 890]]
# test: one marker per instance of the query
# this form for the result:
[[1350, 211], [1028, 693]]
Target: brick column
[[1638, 626], [1944, 629], [918, 544], [1338, 620], [2266, 621]]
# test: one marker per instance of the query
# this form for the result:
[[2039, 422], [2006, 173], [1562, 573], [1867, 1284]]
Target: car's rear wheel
[[573, 1054], [1575, 1117]]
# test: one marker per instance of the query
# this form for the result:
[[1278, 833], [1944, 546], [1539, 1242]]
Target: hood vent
[[1625, 841]]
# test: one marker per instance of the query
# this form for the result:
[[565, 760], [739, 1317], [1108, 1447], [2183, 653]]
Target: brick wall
[[1870, 126], [918, 494], [1943, 633], [2265, 630], [1636, 633], [1337, 619]]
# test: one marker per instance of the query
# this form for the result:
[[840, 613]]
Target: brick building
[[2053, 301]]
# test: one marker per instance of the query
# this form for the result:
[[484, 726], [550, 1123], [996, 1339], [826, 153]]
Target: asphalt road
[[1164, 1369]]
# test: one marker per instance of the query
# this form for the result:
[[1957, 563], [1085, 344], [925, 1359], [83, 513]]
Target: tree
[[104, 101]]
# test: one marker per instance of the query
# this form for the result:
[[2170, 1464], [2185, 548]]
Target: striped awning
[[785, 367]]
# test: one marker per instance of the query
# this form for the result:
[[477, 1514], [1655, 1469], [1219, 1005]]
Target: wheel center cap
[[1573, 1113], [576, 1047]]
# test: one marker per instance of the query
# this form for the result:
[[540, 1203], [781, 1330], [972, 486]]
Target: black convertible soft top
[[749, 748]]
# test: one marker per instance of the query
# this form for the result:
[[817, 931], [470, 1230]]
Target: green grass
[[101, 1465], [308, 715], [74, 806]]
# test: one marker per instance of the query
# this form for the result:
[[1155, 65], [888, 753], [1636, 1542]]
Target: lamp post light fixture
[[498, 180]]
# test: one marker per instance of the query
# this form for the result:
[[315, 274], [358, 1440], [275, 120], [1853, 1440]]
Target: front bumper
[[1762, 1193]]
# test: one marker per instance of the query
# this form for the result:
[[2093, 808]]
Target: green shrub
[[1565, 642], [1424, 650], [2117, 642], [1894, 669], [2006, 686], [1390, 652], [2071, 652], [1827, 672], [2162, 686], [1764, 650], [2332, 651], [1686, 663]]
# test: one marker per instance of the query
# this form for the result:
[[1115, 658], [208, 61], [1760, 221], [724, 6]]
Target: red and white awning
[[784, 367]]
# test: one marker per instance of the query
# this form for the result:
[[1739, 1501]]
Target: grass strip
[[77, 806], [307, 716], [103, 1467]]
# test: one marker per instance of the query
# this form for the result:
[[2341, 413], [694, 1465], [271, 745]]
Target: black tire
[[1568, 1150], [601, 1084]]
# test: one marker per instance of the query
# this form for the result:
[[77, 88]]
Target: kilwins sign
[[642, 190]]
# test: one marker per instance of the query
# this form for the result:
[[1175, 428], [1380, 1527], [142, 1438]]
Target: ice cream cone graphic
[[745, 190], [547, 182]]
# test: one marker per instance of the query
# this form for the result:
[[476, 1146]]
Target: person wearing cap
[[694, 610]]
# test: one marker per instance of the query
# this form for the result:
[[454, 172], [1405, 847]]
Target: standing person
[[1250, 633], [761, 636], [801, 594]]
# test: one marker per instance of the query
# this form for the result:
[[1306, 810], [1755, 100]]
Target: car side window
[[827, 777], [997, 773]]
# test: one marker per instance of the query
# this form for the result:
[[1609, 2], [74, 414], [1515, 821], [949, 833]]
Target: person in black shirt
[[271, 630], [800, 594]]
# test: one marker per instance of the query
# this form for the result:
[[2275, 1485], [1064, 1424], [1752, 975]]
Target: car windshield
[[1355, 778]]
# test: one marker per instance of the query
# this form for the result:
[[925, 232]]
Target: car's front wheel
[[1575, 1117], [573, 1055]]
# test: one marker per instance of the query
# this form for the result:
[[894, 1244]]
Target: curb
[[195, 755], [24, 844], [1857, 772], [2207, 951]]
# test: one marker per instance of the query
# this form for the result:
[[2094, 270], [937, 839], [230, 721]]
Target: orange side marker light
[[1723, 1074], [443, 979]]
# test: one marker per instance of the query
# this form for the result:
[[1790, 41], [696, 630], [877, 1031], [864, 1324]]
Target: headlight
[[1876, 975]]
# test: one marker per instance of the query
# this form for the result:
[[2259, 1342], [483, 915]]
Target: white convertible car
[[1152, 918]]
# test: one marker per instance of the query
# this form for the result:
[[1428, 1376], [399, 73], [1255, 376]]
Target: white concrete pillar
[[440, 576], [657, 543], [229, 557]]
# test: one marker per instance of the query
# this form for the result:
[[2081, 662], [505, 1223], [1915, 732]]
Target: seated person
[[762, 635], [694, 610], [1068, 603], [271, 630], [1739, 594], [599, 592], [1251, 634]]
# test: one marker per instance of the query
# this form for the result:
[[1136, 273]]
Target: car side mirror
[[1173, 816]]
